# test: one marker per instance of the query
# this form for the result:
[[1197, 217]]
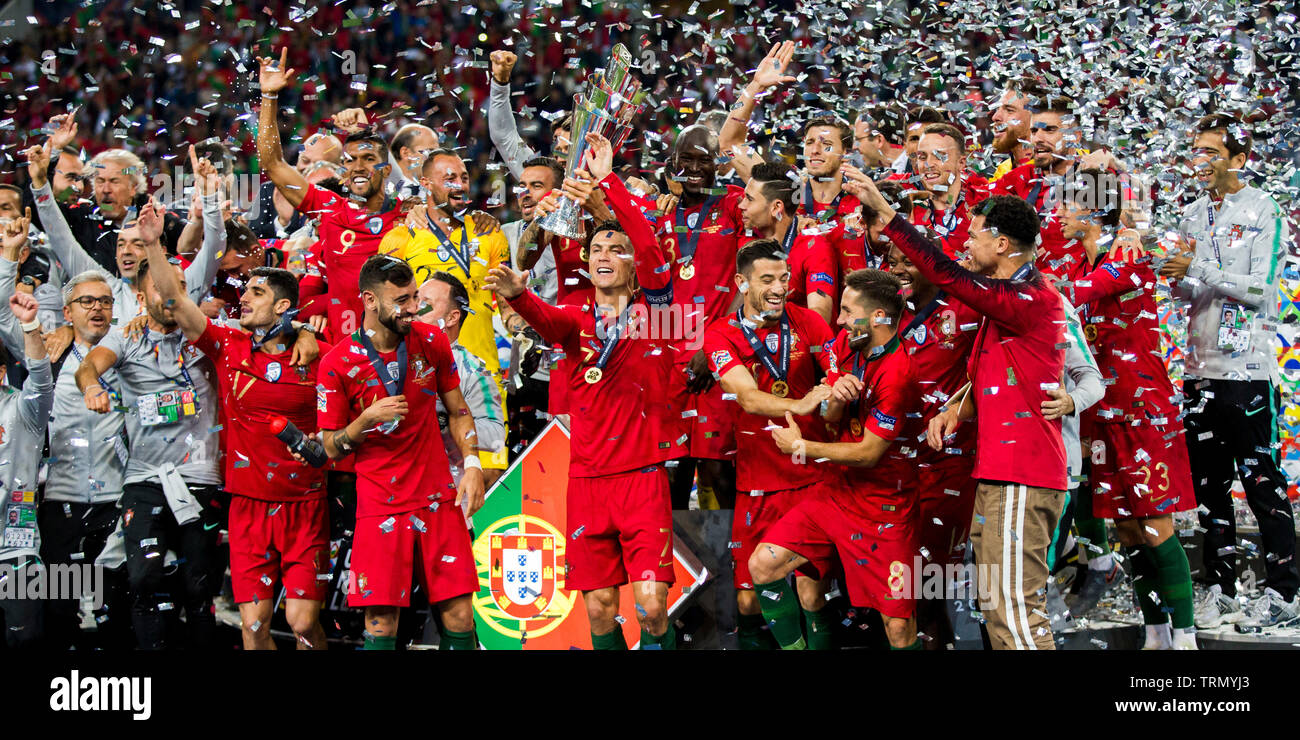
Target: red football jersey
[[761, 466], [254, 387], [349, 236], [953, 225], [624, 418], [850, 247], [573, 282], [401, 471], [1116, 300], [813, 269], [887, 407], [1058, 257], [707, 293], [939, 347]]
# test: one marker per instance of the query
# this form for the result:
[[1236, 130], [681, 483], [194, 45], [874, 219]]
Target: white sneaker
[[1269, 610], [1215, 609], [1185, 639]]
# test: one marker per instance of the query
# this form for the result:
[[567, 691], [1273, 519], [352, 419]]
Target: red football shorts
[[947, 494], [877, 558], [620, 528], [387, 547], [753, 516], [274, 541], [1136, 472]]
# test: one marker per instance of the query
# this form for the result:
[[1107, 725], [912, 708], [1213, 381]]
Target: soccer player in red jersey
[[377, 389], [953, 189], [278, 514], [826, 141], [867, 519], [768, 211], [1011, 125], [937, 332], [770, 355], [625, 425], [1054, 136], [350, 228], [700, 238], [1141, 474], [1018, 356]]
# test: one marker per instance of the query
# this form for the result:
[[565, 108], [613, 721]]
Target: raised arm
[[653, 268], [274, 78], [12, 239], [501, 118], [731, 140], [203, 269], [76, 259], [38, 391], [186, 312], [555, 324]]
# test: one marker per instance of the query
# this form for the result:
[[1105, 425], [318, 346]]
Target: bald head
[[410, 146], [694, 161], [319, 148]]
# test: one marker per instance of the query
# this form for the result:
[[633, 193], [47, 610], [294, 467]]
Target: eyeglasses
[[87, 301]]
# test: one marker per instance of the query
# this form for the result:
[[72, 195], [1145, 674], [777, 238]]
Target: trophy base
[[566, 230]]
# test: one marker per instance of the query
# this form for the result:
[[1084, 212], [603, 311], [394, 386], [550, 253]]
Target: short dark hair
[[1013, 218], [877, 289], [1097, 190], [614, 226], [70, 149], [11, 188], [142, 271], [240, 238], [459, 296], [924, 114], [1027, 87], [439, 152], [892, 191], [833, 121], [1237, 138], [283, 283], [949, 130], [557, 169], [889, 120], [218, 155], [1054, 103], [777, 183], [759, 249], [367, 135], [384, 268]]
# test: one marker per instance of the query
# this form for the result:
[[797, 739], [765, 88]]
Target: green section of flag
[[505, 500]]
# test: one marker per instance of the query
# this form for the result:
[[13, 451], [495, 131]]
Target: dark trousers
[[1231, 433], [526, 413], [75, 533], [151, 531], [21, 619]]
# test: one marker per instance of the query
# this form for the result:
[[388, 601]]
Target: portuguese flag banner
[[519, 546]]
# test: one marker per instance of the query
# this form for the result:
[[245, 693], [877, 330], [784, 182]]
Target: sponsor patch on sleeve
[[822, 277]]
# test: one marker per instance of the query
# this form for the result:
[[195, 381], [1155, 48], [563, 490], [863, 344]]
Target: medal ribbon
[[761, 350], [809, 203], [461, 257], [692, 239], [611, 337], [394, 388]]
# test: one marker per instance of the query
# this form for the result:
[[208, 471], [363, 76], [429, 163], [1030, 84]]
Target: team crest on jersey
[[302, 371], [720, 358], [375, 225], [1236, 232], [522, 573], [273, 370]]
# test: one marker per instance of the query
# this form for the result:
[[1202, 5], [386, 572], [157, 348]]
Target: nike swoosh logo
[[1256, 411], [206, 528], [665, 565]]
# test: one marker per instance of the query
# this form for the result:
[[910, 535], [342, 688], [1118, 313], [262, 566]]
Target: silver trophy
[[612, 100]]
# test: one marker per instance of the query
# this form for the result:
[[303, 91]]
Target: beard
[[391, 322], [159, 315]]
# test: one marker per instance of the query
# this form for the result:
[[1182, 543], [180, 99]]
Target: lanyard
[[689, 243], [394, 388], [1023, 271], [180, 362], [949, 220], [787, 244], [860, 366], [923, 314], [285, 325], [612, 336], [103, 384], [809, 203], [761, 351], [461, 257], [1214, 238]]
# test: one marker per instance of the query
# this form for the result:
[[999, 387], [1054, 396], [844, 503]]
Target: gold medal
[[780, 389], [593, 375], [855, 426], [687, 271]]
